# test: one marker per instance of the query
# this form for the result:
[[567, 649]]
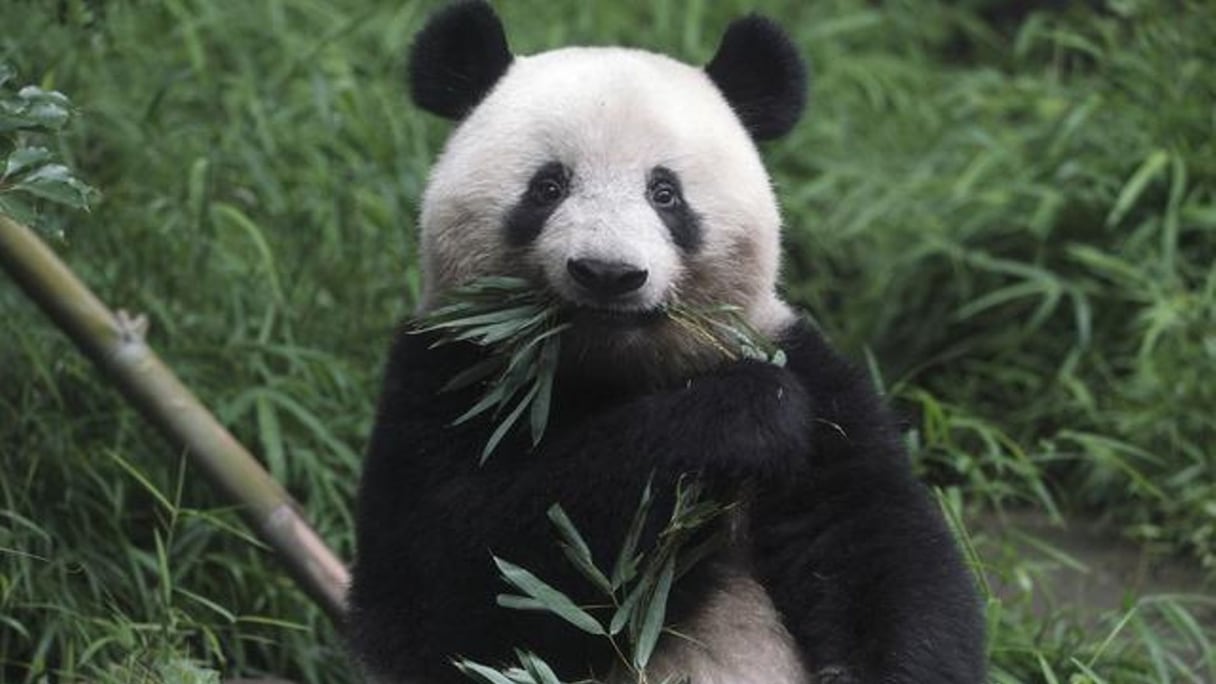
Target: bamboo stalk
[[116, 344]]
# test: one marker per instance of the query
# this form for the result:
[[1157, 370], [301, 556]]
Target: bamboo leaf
[[576, 550], [656, 611], [491, 398], [515, 602], [567, 531], [511, 315], [546, 372], [539, 669], [473, 374], [481, 673], [625, 612], [626, 561], [554, 601], [505, 426]]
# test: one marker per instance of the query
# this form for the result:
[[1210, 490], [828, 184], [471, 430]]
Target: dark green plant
[[29, 171]]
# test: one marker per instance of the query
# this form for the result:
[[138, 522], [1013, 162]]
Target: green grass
[[1014, 224]]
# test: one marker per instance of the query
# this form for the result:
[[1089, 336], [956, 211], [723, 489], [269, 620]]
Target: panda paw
[[764, 418]]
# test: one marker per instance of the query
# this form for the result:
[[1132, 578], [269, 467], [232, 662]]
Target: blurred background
[[1006, 211]]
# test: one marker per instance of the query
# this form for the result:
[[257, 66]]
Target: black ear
[[760, 72], [457, 57]]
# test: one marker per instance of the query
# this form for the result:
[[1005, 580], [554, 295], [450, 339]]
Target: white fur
[[611, 115], [735, 638]]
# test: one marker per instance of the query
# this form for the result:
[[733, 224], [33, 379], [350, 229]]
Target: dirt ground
[[1084, 568]]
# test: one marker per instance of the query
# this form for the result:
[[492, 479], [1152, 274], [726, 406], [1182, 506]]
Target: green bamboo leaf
[[490, 399], [542, 337], [626, 561], [567, 531], [555, 601], [511, 315], [444, 313], [515, 602], [546, 372], [521, 365], [494, 334], [481, 673], [656, 611], [497, 283], [474, 374], [587, 568], [505, 426], [624, 614], [576, 549], [539, 669]]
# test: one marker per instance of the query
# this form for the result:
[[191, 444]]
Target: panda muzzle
[[606, 279]]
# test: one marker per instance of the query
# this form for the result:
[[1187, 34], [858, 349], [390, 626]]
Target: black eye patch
[[546, 190], [665, 194]]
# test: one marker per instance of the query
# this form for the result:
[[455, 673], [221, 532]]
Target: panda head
[[620, 180]]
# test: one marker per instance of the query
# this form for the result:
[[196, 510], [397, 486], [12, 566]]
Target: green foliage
[[1015, 222], [522, 329], [635, 610], [1026, 241], [27, 114]]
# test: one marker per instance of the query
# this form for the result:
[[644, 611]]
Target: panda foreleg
[[856, 556]]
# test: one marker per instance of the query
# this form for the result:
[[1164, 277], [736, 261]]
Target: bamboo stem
[[116, 344]]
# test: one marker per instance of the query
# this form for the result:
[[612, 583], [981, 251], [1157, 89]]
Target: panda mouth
[[594, 316]]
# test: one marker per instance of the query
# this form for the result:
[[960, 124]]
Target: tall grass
[[1013, 222]]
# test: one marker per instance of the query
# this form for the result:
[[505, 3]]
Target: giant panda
[[620, 181]]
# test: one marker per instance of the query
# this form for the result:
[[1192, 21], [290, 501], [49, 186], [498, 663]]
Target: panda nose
[[606, 278]]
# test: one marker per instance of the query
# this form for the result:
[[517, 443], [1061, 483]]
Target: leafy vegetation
[[28, 172], [1011, 219]]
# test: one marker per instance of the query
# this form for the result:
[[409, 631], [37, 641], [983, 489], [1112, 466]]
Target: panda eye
[[546, 190], [663, 195]]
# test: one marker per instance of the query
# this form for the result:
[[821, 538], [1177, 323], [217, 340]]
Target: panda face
[[619, 180]]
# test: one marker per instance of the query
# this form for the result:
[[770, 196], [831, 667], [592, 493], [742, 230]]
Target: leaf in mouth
[[522, 326]]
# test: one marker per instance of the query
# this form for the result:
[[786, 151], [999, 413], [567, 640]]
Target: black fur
[[457, 58], [527, 218], [681, 221], [853, 552], [762, 75]]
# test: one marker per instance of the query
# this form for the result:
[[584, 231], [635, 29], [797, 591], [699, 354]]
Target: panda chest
[[734, 637]]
